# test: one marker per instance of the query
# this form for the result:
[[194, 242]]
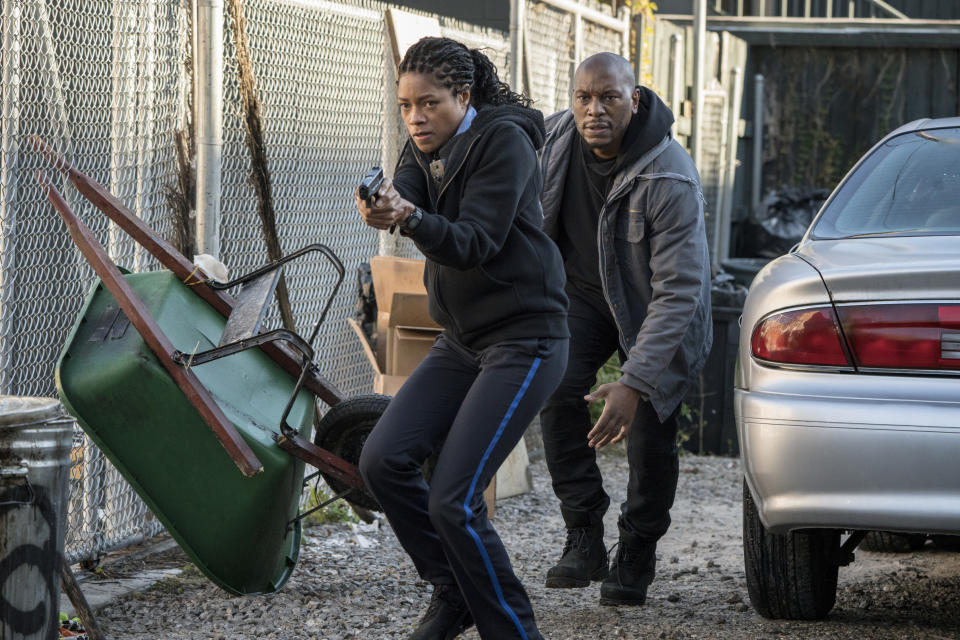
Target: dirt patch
[[354, 581]]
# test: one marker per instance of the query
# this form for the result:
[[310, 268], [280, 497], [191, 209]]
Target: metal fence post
[[209, 119], [733, 131], [756, 186], [699, 52], [625, 41], [518, 11], [577, 38]]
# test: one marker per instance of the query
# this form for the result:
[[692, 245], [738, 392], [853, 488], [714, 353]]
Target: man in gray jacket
[[622, 200]]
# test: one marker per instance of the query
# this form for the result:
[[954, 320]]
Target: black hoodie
[[491, 273], [588, 181]]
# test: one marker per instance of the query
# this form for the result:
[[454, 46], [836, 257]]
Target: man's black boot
[[446, 617], [630, 574], [584, 559]]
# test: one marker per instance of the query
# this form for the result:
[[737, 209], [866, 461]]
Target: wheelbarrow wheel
[[342, 431]]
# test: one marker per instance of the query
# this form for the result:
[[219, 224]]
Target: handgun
[[370, 185]]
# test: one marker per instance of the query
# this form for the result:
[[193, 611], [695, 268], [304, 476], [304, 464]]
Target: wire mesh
[[550, 50], [106, 82], [597, 38], [319, 74], [99, 80], [712, 161]]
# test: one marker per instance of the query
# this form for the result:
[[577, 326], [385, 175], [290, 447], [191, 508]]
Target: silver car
[[847, 391]]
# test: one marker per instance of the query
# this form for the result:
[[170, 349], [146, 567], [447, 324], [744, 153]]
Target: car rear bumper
[[812, 461]]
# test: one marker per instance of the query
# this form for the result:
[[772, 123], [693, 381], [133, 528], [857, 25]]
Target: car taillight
[[803, 336], [903, 336]]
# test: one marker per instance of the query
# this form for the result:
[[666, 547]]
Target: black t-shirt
[[588, 180]]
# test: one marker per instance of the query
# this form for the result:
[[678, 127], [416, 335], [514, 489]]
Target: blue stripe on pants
[[473, 486]]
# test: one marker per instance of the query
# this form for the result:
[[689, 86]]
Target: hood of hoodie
[[647, 128], [454, 151], [529, 120]]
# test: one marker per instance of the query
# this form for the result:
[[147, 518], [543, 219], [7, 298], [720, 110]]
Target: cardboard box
[[401, 301], [490, 497], [395, 275], [405, 334], [382, 382], [408, 346]]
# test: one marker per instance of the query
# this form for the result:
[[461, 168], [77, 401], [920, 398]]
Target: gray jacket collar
[[561, 135]]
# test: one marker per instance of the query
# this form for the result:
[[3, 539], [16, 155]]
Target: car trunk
[[887, 268], [896, 300]]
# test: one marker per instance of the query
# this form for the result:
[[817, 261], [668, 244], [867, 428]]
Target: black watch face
[[413, 220]]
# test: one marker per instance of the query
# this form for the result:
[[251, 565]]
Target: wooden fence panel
[[824, 107]]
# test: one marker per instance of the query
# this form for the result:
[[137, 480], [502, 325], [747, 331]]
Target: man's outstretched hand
[[619, 409]]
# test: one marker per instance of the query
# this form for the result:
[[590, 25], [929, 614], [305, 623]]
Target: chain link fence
[[99, 80], [108, 83]]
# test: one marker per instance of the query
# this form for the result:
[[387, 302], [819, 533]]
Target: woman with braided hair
[[467, 192]]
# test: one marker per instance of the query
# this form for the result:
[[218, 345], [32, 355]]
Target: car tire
[[946, 543], [891, 542], [790, 576], [342, 431]]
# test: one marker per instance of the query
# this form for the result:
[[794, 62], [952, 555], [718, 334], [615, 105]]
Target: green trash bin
[[240, 531]]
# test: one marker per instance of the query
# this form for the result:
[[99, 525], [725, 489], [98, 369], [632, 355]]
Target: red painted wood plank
[[151, 333], [172, 259]]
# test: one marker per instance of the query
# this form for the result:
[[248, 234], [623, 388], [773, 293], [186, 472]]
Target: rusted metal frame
[[845, 552], [153, 336], [307, 362], [176, 262], [194, 359], [310, 453], [256, 273], [322, 505]]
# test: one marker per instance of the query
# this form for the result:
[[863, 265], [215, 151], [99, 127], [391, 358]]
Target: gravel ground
[[354, 581]]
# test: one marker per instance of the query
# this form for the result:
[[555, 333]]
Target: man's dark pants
[[477, 404], [565, 421]]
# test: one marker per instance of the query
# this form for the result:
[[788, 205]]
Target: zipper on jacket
[[454, 174], [436, 206], [426, 174], [603, 280], [447, 179]]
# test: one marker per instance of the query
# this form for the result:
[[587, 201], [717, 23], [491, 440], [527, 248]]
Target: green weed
[[339, 511]]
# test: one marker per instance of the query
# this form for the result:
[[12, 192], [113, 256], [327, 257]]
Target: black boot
[[446, 617], [630, 574], [584, 559]]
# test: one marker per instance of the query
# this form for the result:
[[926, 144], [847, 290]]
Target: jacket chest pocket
[[630, 225]]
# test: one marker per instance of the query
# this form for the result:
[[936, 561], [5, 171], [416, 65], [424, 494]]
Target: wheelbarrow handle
[[132, 307], [176, 262]]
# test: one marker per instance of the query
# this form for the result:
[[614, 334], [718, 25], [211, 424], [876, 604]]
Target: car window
[[908, 186]]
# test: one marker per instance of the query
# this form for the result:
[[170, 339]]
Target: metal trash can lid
[[19, 410]]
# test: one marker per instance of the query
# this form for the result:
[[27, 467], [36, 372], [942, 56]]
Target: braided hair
[[458, 68]]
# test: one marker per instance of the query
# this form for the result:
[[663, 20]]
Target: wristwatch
[[413, 220]]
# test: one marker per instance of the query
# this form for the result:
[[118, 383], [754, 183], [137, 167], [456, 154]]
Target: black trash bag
[[366, 310], [779, 221], [726, 292]]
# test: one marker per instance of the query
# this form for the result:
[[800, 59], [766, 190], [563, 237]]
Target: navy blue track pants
[[476, 405]]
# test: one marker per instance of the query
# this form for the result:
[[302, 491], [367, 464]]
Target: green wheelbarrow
[[206, 416]]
